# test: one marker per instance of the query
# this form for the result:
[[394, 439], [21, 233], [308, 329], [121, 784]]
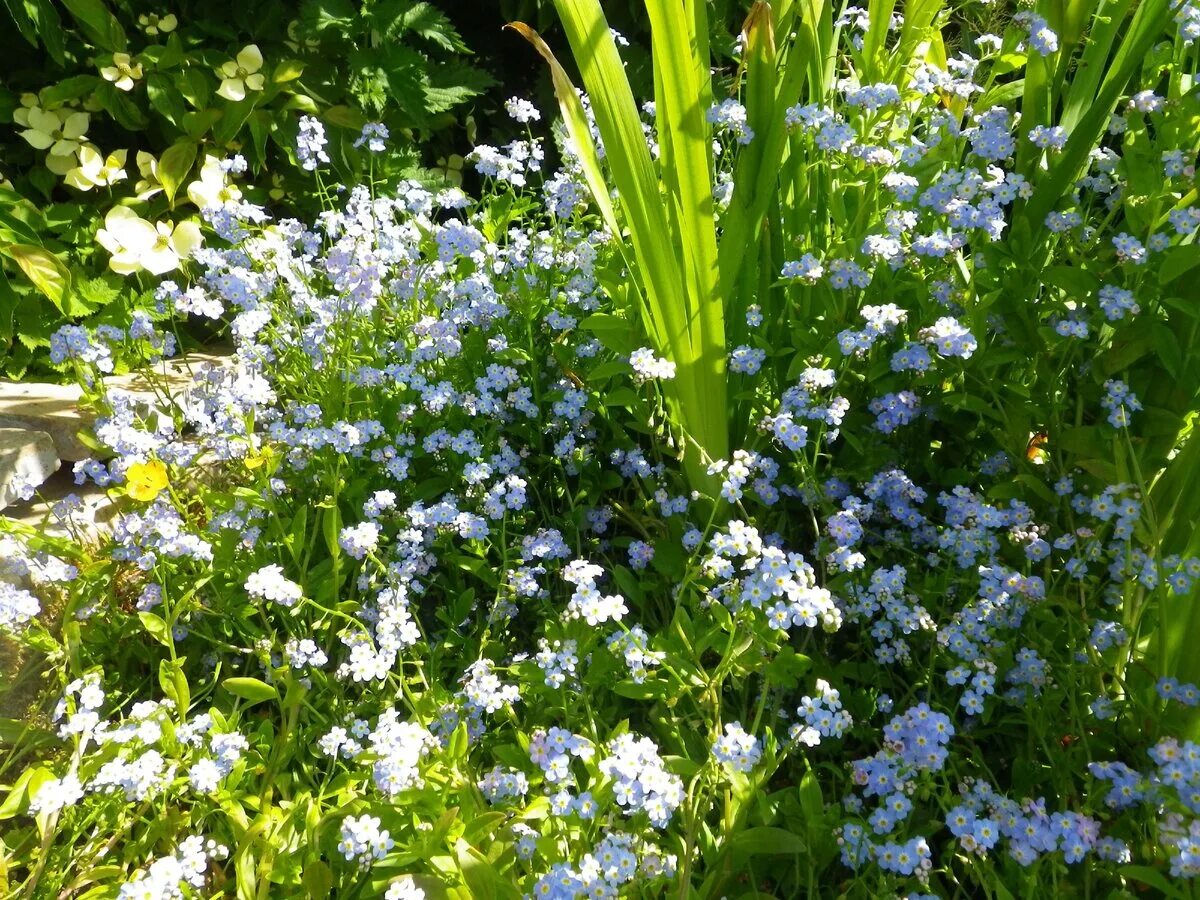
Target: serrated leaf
[[429, 22], [451, 84]]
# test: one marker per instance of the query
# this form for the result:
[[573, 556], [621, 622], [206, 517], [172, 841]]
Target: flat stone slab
[[26, 457], [55, 410], [50, 408]]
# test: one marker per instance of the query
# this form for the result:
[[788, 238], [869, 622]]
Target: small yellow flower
[[123, 72], [145, 481], [263, 456]]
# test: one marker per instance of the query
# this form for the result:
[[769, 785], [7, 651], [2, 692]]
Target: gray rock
[[88, 519], [50, 408], [26, 457], [55, 408]]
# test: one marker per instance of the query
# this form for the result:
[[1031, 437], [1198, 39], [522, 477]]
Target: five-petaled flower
[[145, 480]]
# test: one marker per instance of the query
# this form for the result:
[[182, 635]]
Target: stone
[[26, 457], [89, 520], [49, 408], [55, 408]]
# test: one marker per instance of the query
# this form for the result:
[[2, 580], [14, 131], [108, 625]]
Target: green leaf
[[95, 293], [100, 25], [810, 799], [174, 166], [174, 684], [44, 269], [157, 628], [425, 20], [317, 879], [674, 259], [287, 70], [251, 689], [1178, 261], [233, 117], [766, 841], [165, 98], [68, 89], [344, 117], [1155, 879], [41, 18], [127, 113], [196, 87]]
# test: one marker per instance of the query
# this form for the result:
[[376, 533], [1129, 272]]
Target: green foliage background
[[401, 62]]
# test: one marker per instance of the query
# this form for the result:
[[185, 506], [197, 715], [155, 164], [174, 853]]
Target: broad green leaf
[[165, 98], [251, 689], [44, 269], [317, 880], [68, 89], [288, 70], [98, 23], [764, 841], [1178, 261], [175, 165], [157, 627], [577, 127]]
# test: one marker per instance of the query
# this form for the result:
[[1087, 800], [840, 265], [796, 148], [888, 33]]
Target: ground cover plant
[[791, 494], [112, 108]]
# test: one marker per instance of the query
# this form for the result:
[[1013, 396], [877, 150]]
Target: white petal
[[232, 89], [159, 260], [76, 125], [41, 120], [250, 58], [78, 179], [39, 140], [64, 147], [125, 263], [186, 239]]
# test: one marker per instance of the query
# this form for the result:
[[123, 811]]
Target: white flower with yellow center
[[95, 170], [123, 72], [242, 74], [59, 132], [153, 24], [136, 244], [213, 189]]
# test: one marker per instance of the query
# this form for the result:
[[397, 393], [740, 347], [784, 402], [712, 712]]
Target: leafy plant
[[157, 94]]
